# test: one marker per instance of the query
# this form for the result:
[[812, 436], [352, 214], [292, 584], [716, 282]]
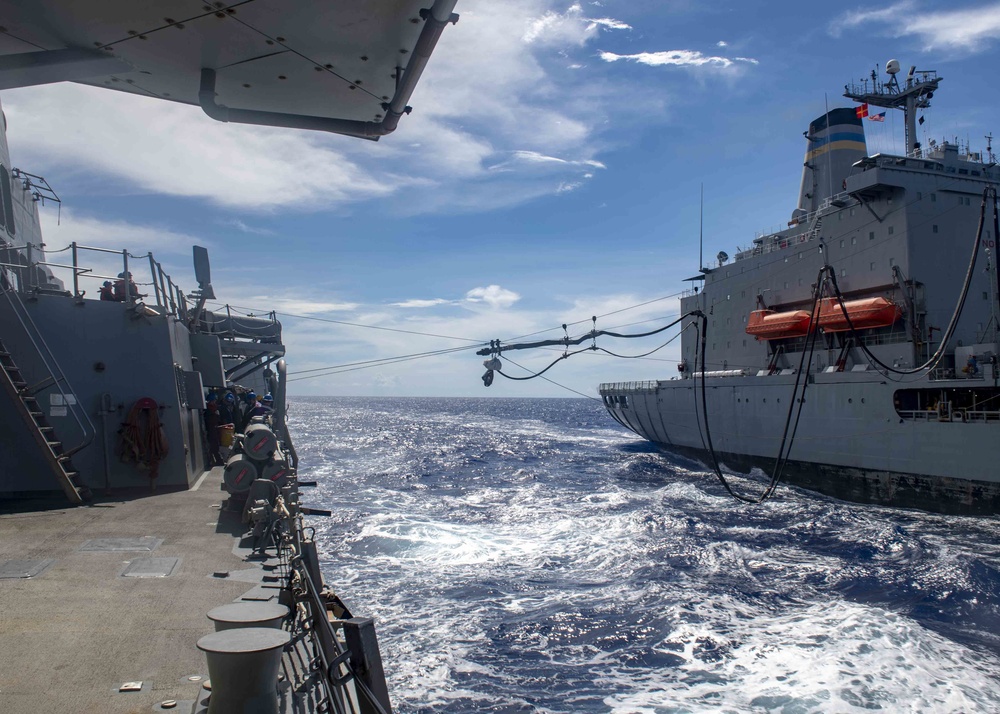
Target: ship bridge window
[[854, 240], [975, 173], [934, 228], [964, 171], [920, 196], [871, 235], [933, 197], [892, 229]]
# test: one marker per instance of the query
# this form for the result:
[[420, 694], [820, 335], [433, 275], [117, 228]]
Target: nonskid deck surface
[[74, 633]]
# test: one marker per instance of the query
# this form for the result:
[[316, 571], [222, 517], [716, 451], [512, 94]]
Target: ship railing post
[[168, 299], [27, 259], [152, 272], [127, 280], [76, 273]]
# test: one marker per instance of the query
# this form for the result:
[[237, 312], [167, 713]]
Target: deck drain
[[142, 543], [23, 568], [150, 567]]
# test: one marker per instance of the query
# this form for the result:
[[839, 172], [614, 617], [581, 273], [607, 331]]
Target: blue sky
[[550, 171]]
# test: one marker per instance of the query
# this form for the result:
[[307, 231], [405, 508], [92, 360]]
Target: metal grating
[[151, 567], [11, 569], [143, 543]]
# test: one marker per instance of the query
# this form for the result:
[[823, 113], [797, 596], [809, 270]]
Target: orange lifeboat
[[865, 314], [771, 325]]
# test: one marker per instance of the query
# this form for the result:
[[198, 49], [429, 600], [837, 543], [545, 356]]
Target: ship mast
[[915, 94]]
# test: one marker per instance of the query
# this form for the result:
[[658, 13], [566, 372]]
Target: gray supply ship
[[855, 351], [121, 550]]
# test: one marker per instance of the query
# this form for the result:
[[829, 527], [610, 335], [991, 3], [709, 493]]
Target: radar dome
[[892, 67]]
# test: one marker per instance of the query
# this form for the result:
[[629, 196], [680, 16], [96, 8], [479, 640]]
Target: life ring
[[958, 415]]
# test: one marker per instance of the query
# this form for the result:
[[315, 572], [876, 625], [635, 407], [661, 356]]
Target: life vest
[[143, 441]]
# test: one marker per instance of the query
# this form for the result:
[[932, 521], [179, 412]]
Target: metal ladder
[[44, 434]]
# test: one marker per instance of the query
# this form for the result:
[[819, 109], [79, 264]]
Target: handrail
[[169, 296], [54, 371]]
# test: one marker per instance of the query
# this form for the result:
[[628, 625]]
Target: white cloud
[[493, 295], [300, 306], [417, 303], [568, 28], [677, 58], [859, 18], [962, 30], [168, 148], [722, 43], [245, 227]]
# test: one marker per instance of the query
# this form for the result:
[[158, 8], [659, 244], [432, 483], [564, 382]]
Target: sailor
[[249, 403], [226, 409], [108, 291], [212, 431], [263, 409], [125, 287]]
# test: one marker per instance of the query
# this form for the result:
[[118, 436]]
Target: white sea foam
[[514, 565]]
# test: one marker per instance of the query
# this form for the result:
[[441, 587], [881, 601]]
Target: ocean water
[[524, 555]]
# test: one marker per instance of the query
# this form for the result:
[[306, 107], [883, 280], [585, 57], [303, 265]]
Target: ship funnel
[[836, 141]]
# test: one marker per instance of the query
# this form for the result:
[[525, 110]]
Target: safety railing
[[170, 299], [645, 386], [53, 378]]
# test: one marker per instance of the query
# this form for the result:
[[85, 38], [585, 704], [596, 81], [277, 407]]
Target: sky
[[550, 172]]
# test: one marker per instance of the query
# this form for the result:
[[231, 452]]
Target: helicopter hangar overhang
[[342, 67]]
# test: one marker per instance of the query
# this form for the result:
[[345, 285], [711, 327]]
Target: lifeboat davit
[[865, 314], [771, 325]]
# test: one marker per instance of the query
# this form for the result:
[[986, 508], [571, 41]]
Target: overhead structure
[[346, 68]]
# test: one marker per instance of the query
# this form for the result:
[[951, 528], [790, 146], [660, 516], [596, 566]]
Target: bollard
[[247, 614], [243, 667]]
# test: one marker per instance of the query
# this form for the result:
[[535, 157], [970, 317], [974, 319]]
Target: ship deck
[[74, 633]]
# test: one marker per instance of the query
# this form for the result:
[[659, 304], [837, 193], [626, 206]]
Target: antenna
[[989, 148], [701, 228]]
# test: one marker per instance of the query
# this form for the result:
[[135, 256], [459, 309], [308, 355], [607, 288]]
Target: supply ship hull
[[851, 441], [857, 348]]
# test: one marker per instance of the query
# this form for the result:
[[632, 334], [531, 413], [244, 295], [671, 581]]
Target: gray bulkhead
[[103, 348]]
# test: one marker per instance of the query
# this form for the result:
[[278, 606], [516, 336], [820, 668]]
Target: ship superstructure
[[105, 361], [864, 282]]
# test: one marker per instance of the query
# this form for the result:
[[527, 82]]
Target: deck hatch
[[151, 567], [11, 569], [143, 543]]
